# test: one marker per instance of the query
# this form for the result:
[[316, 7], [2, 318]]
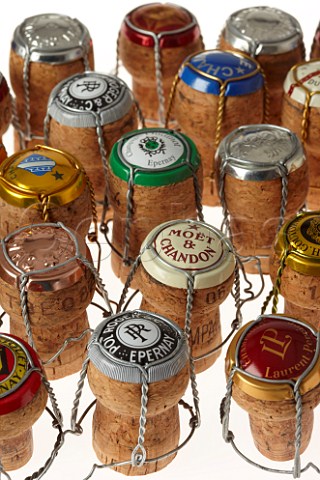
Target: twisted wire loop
[[126, 287], [220, 114], [66, 343], [138, 111], [171, 98], [194, 387], [75, 426], [44, 206], [98, 280], [298, 433], [116, 68], [305, 117], [159, 83], [102, 145], [129, 215], [225, 225], [225, 409], [16, 124], [55, 407], [198, 194], [139, 454], [266, 97], [24, 307], [284, 194], [277, 285], [3, 472], [26, 91], [85, 49]]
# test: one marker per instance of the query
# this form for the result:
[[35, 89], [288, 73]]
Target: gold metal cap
[[31, 174], [272, 354], [299, 239]]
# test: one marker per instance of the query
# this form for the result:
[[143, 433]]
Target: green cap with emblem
[[154, 157], [299, 240]]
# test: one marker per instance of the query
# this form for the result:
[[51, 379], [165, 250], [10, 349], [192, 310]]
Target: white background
[[206, 456]]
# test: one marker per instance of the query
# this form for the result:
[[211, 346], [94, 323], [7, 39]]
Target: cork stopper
[[154, 157], [79, 99], [47, 253], [255, 152], [51, 38], [206, 71], [272, 354], [125, 342], [173, 25], [299, 240], [5, 105], [175, 250], [303, 82], [263, 31], [20, 374], [41, 171]]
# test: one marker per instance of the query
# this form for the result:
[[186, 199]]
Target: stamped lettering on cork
[[277, 349], [138, 339]]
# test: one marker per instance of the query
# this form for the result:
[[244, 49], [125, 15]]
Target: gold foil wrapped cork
[[41, 262], [274, 365], [49, 184], [296, 264]]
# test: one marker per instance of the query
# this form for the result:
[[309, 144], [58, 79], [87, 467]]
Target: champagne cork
[[137, 357], [45, 49], [153, 41], [87, 113], [301, 113], [23, 397], [59, 288], [216, 92], [44, 184], [297, 250], [172, 253], [5, 113], [155, 176], [271, 355], [274, 38], [315, 49], [263, 177]]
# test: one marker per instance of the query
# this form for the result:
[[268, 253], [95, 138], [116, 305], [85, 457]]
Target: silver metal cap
[[126, 343], [51, 38], [262, 30], [77, 100], [254, 152]]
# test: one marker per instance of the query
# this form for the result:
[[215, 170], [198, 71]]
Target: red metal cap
[[173, 25], [18, 383]]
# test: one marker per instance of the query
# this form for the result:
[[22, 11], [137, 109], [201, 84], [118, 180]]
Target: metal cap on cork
[[157, 157], [47, 253], [206, 71], [257, 152], [263, 30], [28, 174], [176, 249], [20, 373], [51, 38], [127, 342], [77, 101], [299, 240], [173, 25], [303, 81], [271, 354]]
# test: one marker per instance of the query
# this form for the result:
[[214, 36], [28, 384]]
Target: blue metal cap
[[208, 70]]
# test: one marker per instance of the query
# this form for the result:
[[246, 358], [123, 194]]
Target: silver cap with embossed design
[[175, 250], [77, 100], [51, 38], [262, 30], [126, 344], [254, 152]]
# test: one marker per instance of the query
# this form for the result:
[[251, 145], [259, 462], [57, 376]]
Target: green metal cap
[[156, 157]]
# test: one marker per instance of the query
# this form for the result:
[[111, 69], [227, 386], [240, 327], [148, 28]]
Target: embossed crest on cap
[[50, 38], [253, 152], [205, 71], [302, 80], [263, 30], [138, 338], [73, 100], [271, 354], [187, 246]]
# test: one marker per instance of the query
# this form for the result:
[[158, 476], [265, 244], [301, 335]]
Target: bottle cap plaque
[[304, 80]]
